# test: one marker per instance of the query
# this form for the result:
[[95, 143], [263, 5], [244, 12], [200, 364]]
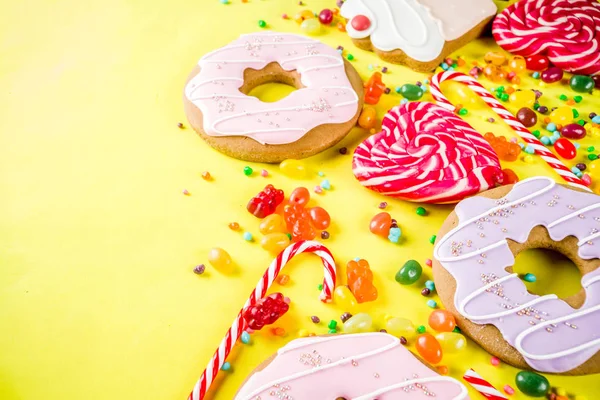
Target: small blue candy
[[522, 145], [430, 285], [403, 101], [545, 140], [325, 184], [431, 303], [529, 149], [535, 75], [596, 119], [575, 170], [551, 126], [398, 89], [247, 236], [577, 145], [245, 337], [444, 66], [529, 277], [425, 81], [226, 366], [357, 259], [320, 173]]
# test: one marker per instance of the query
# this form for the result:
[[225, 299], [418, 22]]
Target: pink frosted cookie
[[566, 31], [321, 112], [426, 154], [363, 366], [473, 259]]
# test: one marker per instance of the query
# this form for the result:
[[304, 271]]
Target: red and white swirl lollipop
[[566, 31], [426, 154]]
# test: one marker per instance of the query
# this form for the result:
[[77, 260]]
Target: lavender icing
[[551, 335]]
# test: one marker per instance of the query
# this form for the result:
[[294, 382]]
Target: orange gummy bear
[[360, 281], [506, 151], [374, 88]]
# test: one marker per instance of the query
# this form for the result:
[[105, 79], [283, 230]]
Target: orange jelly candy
[[442, 321], [360, 281], [429, 348], [380, 224], [374, 88], [506, 151], [368, 118]]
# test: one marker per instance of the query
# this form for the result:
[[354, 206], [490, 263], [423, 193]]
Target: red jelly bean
[[265, 311], [326, 16], [573, 131], [429, 348], [537, 62], [320, 218], [265, 202], [552, 74], [360, 22], [596, 79], [509, 177], [565, 149], [374, 88]]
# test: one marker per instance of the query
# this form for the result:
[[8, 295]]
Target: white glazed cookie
[[418, 33]]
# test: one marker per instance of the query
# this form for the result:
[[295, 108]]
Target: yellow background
[[97, 242]]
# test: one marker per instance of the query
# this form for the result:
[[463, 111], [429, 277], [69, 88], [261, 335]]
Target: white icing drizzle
[[432, 379]]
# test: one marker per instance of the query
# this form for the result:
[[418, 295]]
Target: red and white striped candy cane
[[258, 293], [514, 123], [483, 386]]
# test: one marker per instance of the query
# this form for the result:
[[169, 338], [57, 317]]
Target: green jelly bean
[[532, 384], [409, 273], [411, 92], [581, 83]]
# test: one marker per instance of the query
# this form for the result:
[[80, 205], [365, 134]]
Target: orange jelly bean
[[380, 224], [300, 196], [319, 218], [442, 321], [429, 348], [368, 118], [219, 258], [517, 64]]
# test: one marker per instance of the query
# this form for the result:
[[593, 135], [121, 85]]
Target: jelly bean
[[272, 223], [581, 83], [527, 116], [293, 168], [360, 281], [522, 98], [596, 79], [442, 321], [275, 242], [300, 196], [311, 26], [451, 342], [303, 15], [219, 258], [374, 88], [562, 115], [493, 73], [532, 384], [565, 149], [537, 62], [368, 118], [459, 93], [593, 169], [517, 64], [344, 298], [358, 323], [495, 58], [380, 224], [509, 177], [411, 92], [400, 327], [429, 348], [552, 74], [326, 16], [320, 218], [409, 273], [573, 131]]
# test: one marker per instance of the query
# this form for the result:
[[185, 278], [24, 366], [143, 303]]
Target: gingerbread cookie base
[[314, 141], [400, 57], [488, 336]]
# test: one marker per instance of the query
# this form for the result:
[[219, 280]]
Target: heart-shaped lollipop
[[426, 154]]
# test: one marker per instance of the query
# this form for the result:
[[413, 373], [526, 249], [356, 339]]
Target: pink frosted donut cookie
[[362, 366], [473, 260], [566, 31], [416, 33], [426, 154], [321, 112]]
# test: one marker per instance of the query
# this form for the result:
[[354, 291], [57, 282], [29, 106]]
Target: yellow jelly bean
[[271, 223], [528, 159], [311, 26], [344, 298], [302, 333], [593, 169], [561, 391], [400, 327], [219, 258], [495, 57], [517, 64], [459, 93], [562, 115], [275, 242], [293, 168], [359, 323], [522, 98], [595, 132], [451, 342]]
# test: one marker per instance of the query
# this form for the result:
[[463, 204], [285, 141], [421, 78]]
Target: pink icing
[[328, 96], [551, 335], [359, 366]]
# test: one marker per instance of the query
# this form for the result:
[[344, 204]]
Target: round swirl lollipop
[[426, 154], [566, 31]]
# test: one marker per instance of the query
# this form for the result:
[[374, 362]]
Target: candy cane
[[259, 291], [514, 123], [483, 386]]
